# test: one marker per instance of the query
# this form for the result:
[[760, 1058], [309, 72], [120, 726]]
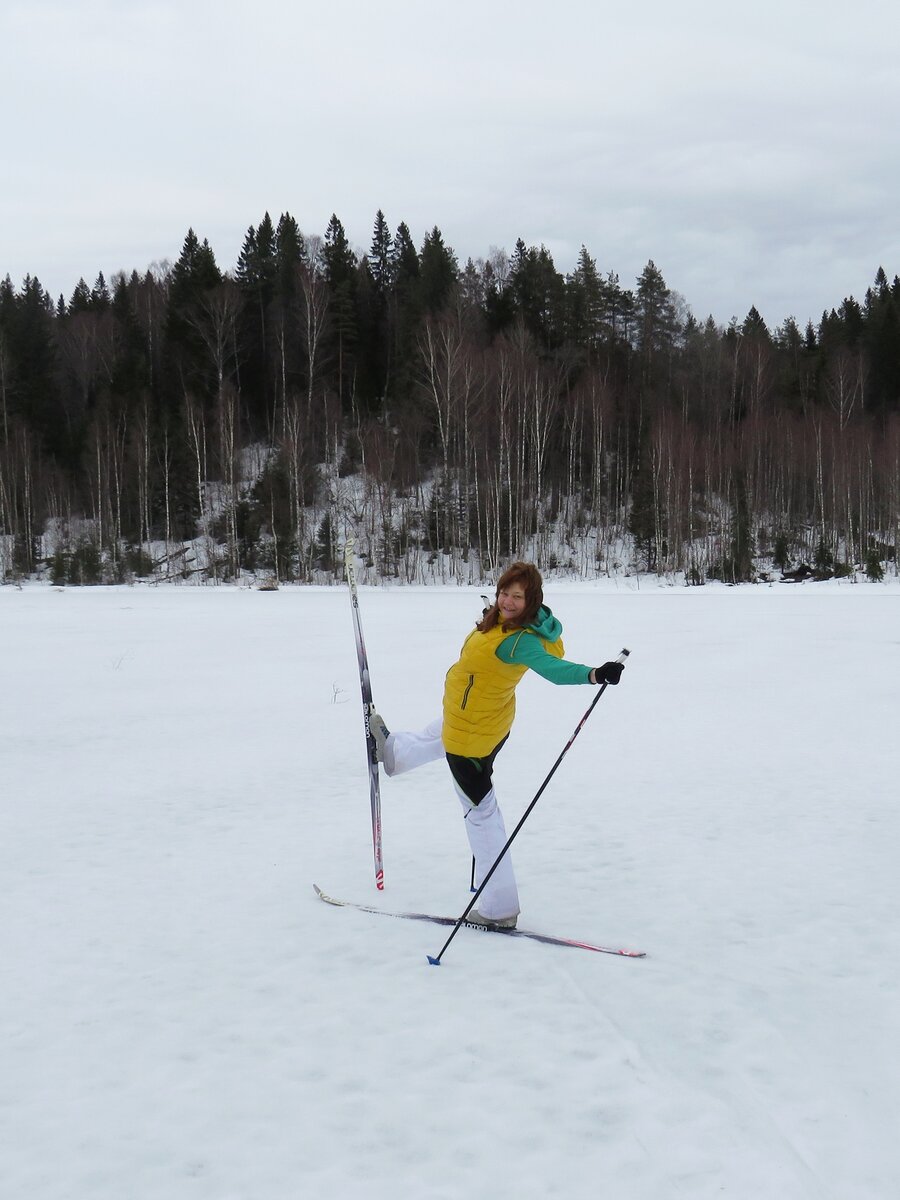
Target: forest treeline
[[195, 419]]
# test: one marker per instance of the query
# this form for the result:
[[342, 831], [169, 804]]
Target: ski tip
[[435, 962]]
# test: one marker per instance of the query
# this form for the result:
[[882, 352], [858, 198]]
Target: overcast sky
[[751, 151]]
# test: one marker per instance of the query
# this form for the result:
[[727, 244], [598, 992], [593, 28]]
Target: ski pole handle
[[601, 674]]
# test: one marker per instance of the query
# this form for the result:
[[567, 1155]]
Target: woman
[[516, 634]]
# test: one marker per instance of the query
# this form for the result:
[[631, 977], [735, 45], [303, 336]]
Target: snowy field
[[181, 1017]]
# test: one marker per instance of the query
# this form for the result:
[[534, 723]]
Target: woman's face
[[511, 601]]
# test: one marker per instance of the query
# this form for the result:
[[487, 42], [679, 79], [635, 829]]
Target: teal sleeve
[[527, 650]]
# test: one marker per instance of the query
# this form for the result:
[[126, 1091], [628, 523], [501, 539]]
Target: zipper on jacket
[[466, 692]]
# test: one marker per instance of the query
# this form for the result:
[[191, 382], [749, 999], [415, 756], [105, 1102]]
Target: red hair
[[529, 577]]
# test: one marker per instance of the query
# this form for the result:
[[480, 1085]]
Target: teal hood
[[545, 625]]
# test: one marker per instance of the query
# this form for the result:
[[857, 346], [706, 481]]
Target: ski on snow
[[366, 690], [515, 933]]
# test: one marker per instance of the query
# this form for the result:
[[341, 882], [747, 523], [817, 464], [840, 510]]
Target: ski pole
[[487, 604], [365, 685], [436, 961]]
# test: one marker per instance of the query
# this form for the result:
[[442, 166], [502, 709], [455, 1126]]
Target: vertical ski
[[366, 690]]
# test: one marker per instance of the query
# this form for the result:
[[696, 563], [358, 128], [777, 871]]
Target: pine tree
[[656, 321], [195, 271], [291, 253], [882, 342], [438, 271], [100, 298], [619, 309], [193, 277], [33, 351], [256, 274], [404, 314], [375, 281], [754, 326], [339, 266], [257, 264], [539, 292], [404, 262], [499, 299], [380, 262], [130, 373], [81, 298], [584, 294], [291, 266]]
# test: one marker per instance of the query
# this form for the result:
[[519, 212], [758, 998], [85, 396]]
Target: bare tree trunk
[[228, 452], [167, 493], [196, 423]]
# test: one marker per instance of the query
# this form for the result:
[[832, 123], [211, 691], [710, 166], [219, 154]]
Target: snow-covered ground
[[180, 1016]]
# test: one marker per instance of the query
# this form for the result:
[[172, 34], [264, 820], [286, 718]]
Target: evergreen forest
[[195, 422]]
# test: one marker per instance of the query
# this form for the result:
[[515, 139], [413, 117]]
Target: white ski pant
[[487, 837], [484, 822], [406, 751]]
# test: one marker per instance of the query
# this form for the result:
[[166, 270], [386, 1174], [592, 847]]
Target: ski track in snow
[[182, 1018]]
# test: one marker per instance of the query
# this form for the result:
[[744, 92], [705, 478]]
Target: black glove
[[610, 672]]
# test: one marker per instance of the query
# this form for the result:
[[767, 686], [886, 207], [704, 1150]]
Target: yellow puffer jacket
[[480, 693]]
